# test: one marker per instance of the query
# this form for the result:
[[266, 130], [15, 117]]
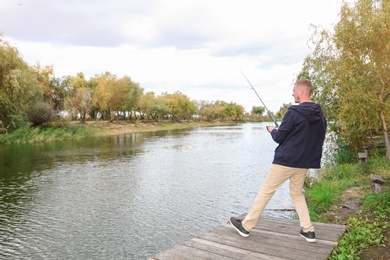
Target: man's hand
[[270, 128]]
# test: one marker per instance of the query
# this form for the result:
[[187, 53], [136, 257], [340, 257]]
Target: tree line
[[349, 68], [33, 94]]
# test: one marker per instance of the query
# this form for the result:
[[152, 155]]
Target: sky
[[197, 47]]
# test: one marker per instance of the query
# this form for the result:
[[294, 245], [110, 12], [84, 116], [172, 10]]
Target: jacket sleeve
[[280, 134]]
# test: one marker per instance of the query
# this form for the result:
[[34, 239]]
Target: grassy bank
[[76, 130], [342, 195], [29, 134]]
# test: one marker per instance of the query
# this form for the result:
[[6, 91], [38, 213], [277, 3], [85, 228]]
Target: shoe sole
[[310, 240], [239, 232]]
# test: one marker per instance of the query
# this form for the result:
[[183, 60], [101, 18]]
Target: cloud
[[193, 46], [85, 23]]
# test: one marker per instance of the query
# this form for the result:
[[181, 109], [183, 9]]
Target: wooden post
[[376, 183], [363, 157]]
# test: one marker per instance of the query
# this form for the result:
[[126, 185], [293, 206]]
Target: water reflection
[[128, 196]]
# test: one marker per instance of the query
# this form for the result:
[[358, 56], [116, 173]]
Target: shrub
[[41, 113], [344, 154]]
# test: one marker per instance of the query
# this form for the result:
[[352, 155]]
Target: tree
[[282, 110], [351, 69], [160, 107], [132, 95], [45, 76], [257, 111], [207, 110], [19, 87], [145, 104], [233, 111], [110, 94], [78, 96], [239, 111], [180, 106], [81, 102], [60, 92]]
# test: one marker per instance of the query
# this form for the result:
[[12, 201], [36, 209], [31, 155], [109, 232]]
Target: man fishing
[[300, 137]]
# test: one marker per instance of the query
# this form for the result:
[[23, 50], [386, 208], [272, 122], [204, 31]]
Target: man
[[300, 137]]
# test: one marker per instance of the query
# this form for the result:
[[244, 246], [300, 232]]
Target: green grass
[[28, 134], [366, 228], [378, 204], [361, 233], [328, 187], [325, 194]]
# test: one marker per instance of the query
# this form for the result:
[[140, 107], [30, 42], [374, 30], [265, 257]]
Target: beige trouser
[[277, 175]]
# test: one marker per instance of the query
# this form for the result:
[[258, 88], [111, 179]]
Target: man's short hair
[[305, 83]]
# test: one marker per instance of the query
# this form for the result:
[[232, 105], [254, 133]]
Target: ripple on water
[[129, 197]]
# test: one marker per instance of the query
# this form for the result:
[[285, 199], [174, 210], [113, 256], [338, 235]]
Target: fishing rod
[[269, 113]]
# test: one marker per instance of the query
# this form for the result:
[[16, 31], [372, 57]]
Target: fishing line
[[269, 113]]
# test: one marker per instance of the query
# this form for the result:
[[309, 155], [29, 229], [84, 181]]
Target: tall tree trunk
[[112, 115], [82, 117], [383, 97], [385, 134]]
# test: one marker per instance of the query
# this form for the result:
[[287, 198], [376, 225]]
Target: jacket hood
[[311, 111]]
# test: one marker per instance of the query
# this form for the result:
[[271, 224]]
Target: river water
[[129, 196]]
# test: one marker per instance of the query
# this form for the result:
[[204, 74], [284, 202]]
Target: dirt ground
[[126, 127], [378, 252], [348, 206]]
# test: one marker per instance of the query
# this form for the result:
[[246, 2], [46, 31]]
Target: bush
[[344, 153], [41, 113]]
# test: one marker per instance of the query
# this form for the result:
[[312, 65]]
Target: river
[[129, 196]]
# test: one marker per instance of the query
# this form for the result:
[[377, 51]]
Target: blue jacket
[[300, 136]]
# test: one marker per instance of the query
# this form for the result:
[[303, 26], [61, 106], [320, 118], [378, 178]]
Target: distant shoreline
[[123, 127], [77, 130]]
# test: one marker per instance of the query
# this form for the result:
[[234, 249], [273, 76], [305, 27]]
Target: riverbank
[[65, 130], [125, 127], [343, 195]]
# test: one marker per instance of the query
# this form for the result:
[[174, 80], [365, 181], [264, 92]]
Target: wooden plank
[[184, 252], [329, 232], [294, 222], [228, 251], [234, 252], [287, 247], [249, 244], [272, 238]]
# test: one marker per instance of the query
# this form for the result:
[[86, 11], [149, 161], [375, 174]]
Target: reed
[[28, 134]]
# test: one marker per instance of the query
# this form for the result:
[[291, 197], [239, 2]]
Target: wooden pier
[[272, 238]]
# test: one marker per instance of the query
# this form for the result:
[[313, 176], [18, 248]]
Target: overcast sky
[[196, 47]]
